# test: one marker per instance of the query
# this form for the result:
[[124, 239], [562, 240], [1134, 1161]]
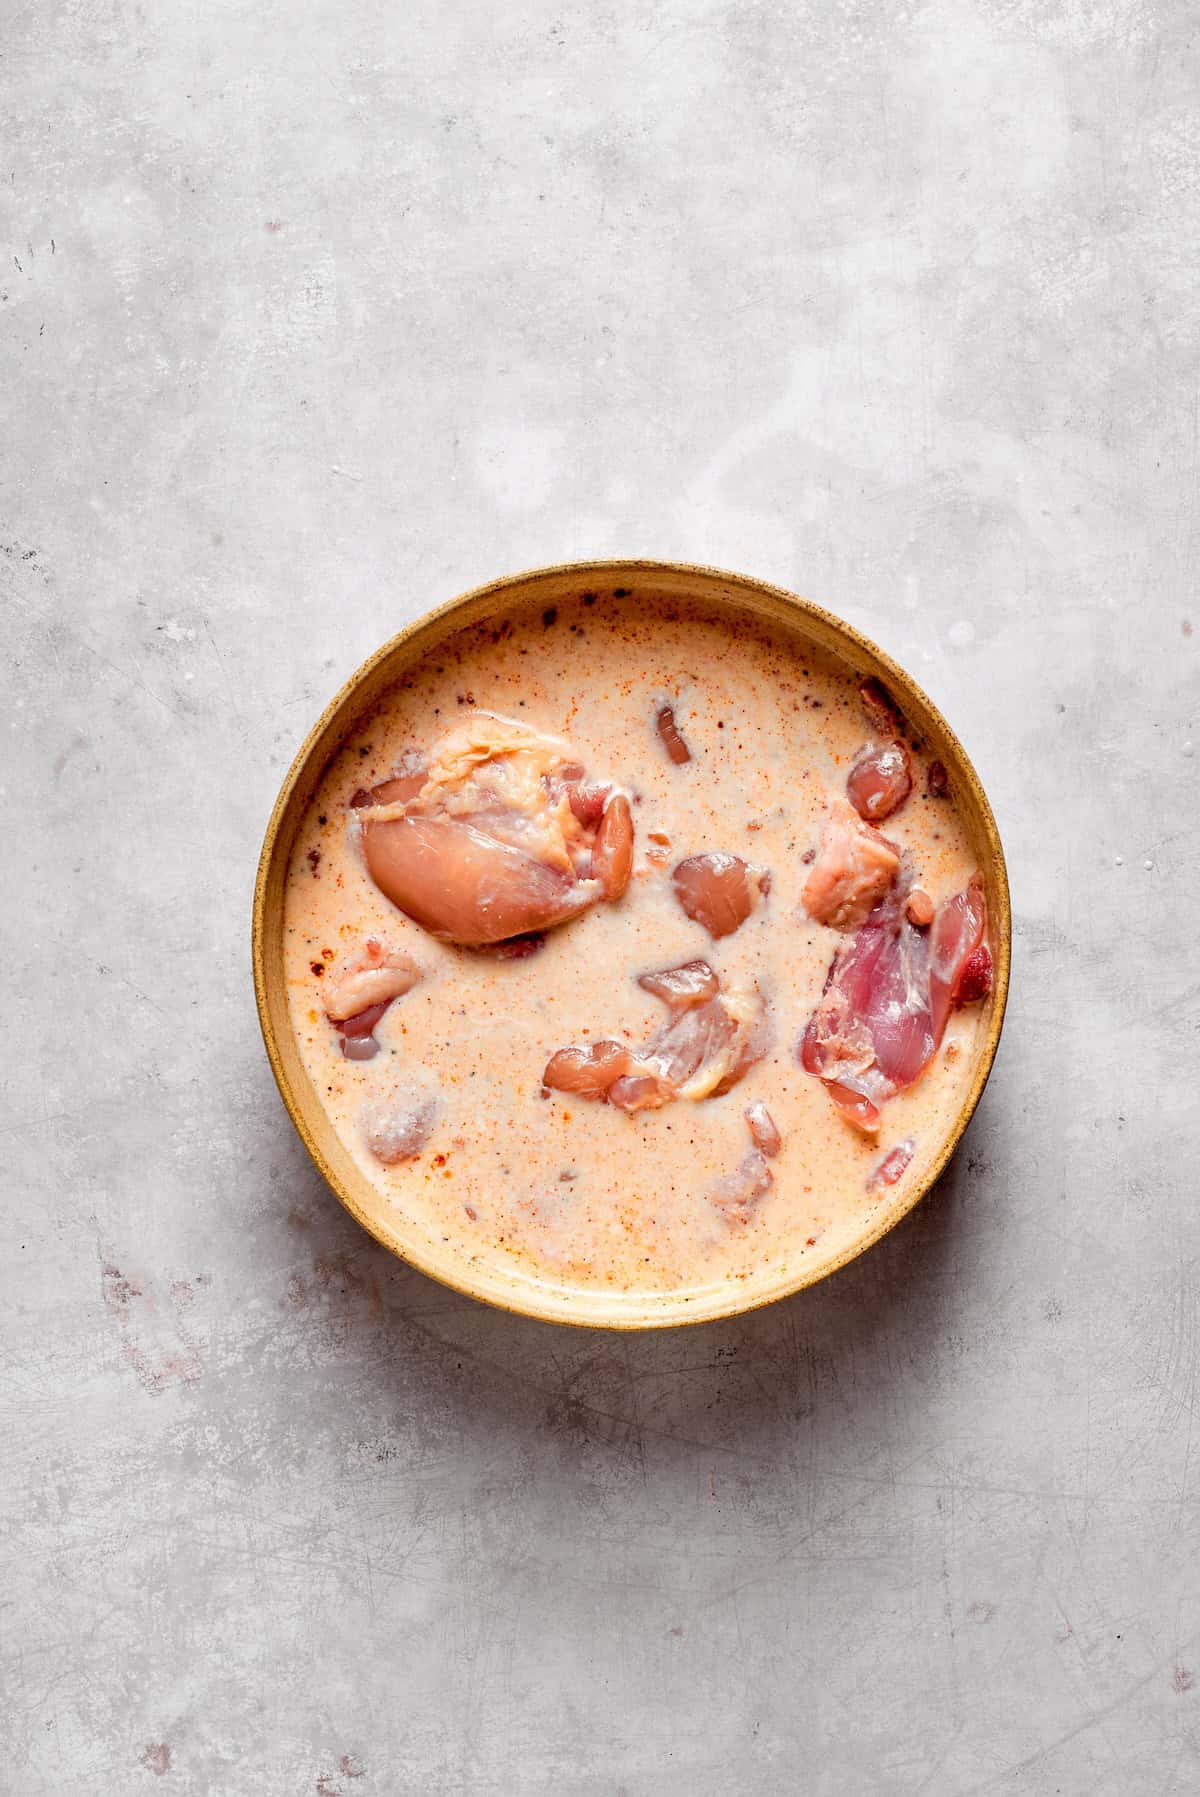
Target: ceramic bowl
[[739, 596]]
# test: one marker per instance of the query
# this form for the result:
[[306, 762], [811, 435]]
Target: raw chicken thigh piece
[[887, 999], [501, 837]]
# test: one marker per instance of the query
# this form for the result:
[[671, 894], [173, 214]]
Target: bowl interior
[[739, 596]]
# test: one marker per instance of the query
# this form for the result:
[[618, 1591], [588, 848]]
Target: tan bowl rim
[[663, 1310]]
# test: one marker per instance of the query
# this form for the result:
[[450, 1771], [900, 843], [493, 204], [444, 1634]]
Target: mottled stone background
[[313, 313]]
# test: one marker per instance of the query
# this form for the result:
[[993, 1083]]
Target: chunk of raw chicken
[[719, 890], [764, 1131], [713, 1034], [918, 908], [397, 1128], [880, 781], [376, 977], [893, 1165], [499, 835], [886, 1001], [854, 868], [960, 962], [670, 737], [357, 998], [880, 706], [739, 1195]]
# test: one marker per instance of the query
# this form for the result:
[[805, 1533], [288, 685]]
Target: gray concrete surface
[[312, 315]]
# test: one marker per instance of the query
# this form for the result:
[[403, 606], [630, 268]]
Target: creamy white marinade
[[578, 1191]]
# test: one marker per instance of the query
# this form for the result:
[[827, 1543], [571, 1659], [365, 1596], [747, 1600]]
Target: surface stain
[[340, 1275], [351, 1767], [1183, 1680], [155, 1341], [981, 1610], [78, 741], [156, 1757]]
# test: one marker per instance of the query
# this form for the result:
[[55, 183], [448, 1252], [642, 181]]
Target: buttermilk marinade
[[651, 1173]]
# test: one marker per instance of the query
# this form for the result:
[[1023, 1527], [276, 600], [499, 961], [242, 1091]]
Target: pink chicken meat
[[719, 890], [854, 867], [888, 997], [712, 1037], [498, 835]]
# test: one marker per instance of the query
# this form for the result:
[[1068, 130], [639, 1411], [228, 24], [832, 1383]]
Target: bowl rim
[[661, 1310]]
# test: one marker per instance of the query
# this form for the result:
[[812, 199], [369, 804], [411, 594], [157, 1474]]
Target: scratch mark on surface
[[1092, 1720], [57, 624]]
